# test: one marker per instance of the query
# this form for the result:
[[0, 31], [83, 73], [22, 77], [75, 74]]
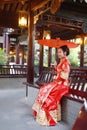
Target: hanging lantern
[[23, 19]]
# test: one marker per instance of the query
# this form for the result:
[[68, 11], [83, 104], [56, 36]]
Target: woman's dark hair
[[65, 49]]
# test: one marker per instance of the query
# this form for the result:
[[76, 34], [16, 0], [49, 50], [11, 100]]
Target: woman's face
[[60, 53]]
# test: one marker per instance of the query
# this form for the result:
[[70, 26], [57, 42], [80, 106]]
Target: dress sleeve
[[65, 71]]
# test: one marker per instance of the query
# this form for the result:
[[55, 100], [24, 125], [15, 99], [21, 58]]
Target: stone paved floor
[[16, 112]]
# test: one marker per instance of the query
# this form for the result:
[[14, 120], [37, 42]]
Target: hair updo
[[65, 49]]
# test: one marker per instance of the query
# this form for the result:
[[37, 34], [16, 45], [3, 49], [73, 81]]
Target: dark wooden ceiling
[[66, 23]]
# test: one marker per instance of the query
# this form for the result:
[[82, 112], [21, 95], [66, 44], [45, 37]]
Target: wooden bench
[[46, 76], [72, 102]]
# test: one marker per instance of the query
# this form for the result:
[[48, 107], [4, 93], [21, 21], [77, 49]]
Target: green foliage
[[73, 57], [3, 57]]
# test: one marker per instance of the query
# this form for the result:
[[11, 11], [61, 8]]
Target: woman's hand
[[55, 64]]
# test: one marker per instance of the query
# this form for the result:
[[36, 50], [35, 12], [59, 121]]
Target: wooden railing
[[12, 71]]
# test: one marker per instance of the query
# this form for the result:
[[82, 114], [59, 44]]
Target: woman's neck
[[62, 58]]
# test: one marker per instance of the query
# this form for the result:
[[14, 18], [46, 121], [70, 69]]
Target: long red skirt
[[46, 104]]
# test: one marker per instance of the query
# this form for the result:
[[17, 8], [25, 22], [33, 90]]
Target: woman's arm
[[65, 71], [55, 65]]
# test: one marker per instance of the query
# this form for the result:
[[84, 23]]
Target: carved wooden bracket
[[55, 6]]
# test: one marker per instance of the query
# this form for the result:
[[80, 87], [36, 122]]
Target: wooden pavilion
[[64, 18]]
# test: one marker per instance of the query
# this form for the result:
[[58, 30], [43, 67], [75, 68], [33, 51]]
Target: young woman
[[46, 104]]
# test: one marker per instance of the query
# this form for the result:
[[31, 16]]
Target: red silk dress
[[46, 104]]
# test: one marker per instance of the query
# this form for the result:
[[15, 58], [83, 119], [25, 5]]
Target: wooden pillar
[[30, 62], [4, 43], [56, 57], [41, 50], [22, 54], [56, 53], [49, 56], [41, 59], [1, 45], [82, 53], [17, 52], [7, 44]]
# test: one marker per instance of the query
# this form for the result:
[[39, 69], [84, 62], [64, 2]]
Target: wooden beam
[[38, 4], [41, 10], [51, 19], [73, 15], [12, 1]]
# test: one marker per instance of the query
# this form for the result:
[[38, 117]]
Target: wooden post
[[41, 50], [7, 44], [82, 53], [49, 56], [56, 57], [17, 53], [22, 54], [30, 62], [41, 59], [4, 43], [56, 53]]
